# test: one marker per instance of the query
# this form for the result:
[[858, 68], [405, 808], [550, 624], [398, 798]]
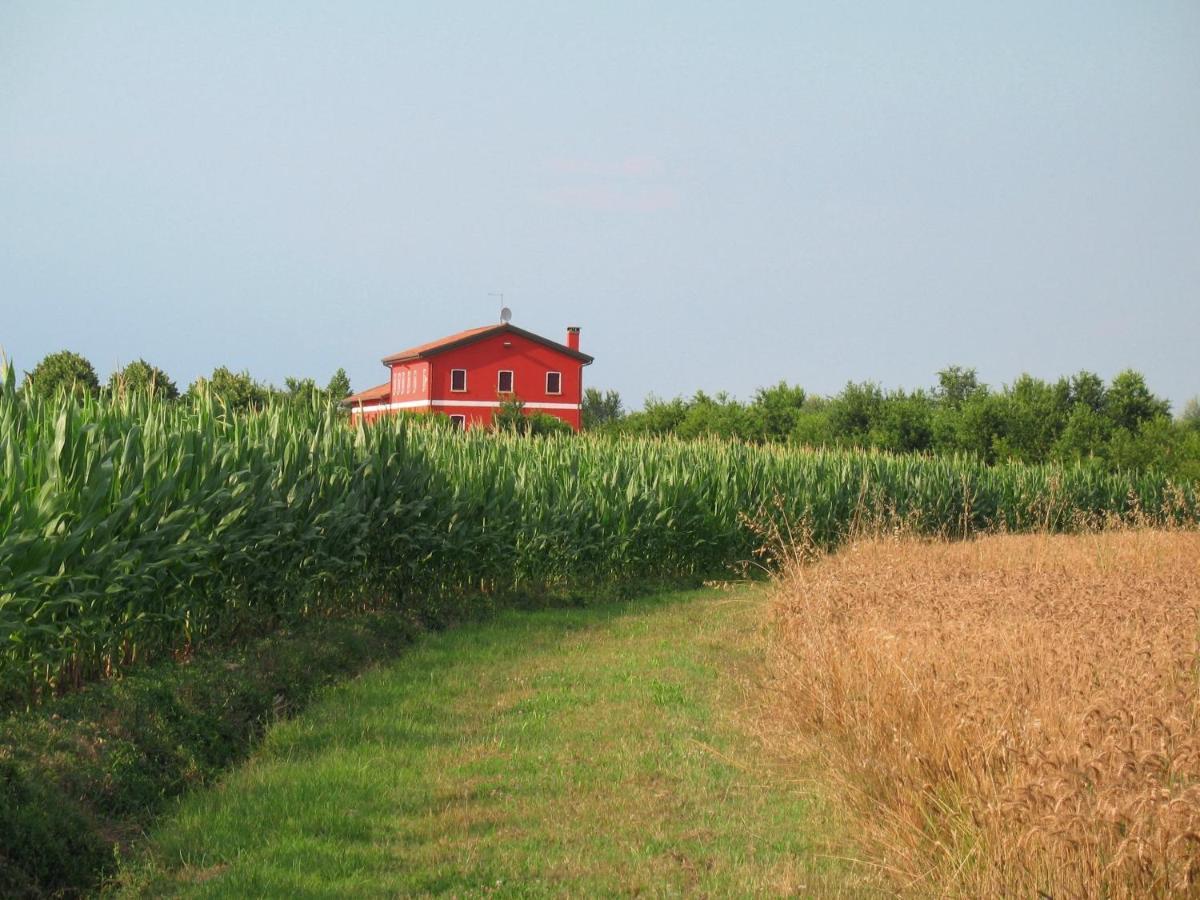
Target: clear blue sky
[[721, 195]]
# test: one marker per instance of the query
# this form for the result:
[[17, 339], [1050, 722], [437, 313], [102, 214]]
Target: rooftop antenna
[[505, 312]]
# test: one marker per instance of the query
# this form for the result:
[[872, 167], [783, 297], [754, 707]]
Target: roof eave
[[380, 391], [506, 327]]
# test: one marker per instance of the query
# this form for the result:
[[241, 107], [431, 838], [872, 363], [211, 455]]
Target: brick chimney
[[573, 337]]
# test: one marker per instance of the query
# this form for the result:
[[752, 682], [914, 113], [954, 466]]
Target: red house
[[467, 375]]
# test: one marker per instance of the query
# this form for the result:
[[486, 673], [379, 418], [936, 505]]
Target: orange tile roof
[[422, 349], [379, 392], [465, 337]]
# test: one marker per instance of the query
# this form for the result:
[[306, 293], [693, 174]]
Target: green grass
[[84, 774], [589, 751]]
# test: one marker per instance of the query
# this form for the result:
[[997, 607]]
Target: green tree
[[63, 371], [855, 411], [719, 416], [510, 416], [339, 385], [1187, 467], [542, 424], [1085, 434], [1129, 402], [904, 422], [957, 385], [777, 410], [1088, 388], [140, 376], [1155, 443], [307, 391], [1035, 415], [302, 390], [1190, 417], [975, 428], [236, 391], [656, 416], [812, 428], [601, 409]]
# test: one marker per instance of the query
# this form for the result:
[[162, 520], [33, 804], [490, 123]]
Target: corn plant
[[132, 528]]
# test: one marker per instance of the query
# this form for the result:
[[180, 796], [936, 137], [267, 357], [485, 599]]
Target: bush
[[541, 424], [511, 417]]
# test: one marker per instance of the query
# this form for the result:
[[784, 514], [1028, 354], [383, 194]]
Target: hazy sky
[[721, 195]]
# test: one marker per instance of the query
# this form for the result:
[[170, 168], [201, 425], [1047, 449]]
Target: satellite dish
[[505, 315]]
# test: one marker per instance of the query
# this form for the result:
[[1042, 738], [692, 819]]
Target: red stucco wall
[[529, 362]]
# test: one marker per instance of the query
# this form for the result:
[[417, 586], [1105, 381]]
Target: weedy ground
[[581, 752], [1007, 716]]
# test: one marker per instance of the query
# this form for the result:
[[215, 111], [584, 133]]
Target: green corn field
[[131, 529]]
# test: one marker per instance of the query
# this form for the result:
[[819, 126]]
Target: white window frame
[[460, 420], [550, 392], [512, 381], [463, 389]]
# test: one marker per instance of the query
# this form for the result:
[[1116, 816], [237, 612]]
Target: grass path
[[593, 751]]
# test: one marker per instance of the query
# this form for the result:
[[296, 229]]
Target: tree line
[[68, 371], [1120, 423]]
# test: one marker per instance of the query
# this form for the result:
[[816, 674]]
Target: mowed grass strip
[[590, 751]]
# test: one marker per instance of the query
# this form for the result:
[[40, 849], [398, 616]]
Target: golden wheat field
[[1005, 716]]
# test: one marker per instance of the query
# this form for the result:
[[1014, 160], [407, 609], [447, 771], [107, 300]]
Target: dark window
[[504, 383], [554, 382], [459, 421], [458, 379]]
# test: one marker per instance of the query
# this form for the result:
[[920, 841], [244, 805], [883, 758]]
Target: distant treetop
[[63, 371], [140, 376]]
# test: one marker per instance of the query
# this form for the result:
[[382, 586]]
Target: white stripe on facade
[[381, 407], [358, 409]]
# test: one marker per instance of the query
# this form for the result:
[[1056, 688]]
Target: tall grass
[[132, 528]]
